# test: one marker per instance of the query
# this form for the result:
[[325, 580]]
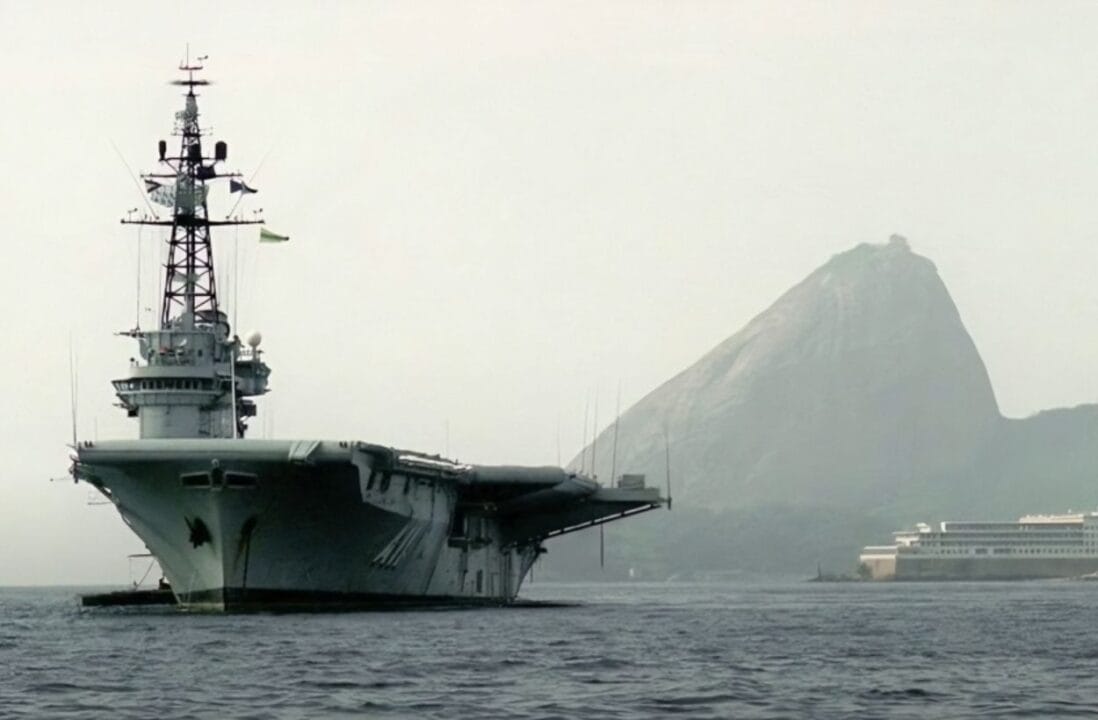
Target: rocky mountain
[[855, 404]]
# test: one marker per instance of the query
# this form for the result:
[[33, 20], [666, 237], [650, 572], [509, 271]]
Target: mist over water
[[763, 648], [528, 203]]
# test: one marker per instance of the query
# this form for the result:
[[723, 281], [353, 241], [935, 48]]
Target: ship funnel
[[221, 150]]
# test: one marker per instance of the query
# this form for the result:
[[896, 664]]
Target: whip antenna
[[558, 439], [72, 391], [667, 454], [613, 473], [583, 453], [614, 450], [595, 437]]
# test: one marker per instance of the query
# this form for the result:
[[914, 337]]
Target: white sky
[[496, 208]]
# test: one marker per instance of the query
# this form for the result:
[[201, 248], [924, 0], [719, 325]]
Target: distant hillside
[[855, 404]]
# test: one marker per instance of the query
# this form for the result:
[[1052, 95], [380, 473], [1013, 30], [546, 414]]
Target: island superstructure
[[237, 522], [1036, 546]]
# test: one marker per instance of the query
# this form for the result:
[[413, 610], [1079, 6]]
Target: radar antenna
[[192, 377], [190, 287]]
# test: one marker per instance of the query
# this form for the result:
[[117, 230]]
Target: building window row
[[166, 384]]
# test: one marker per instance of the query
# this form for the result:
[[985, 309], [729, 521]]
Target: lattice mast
[[193, 377], [190, 284]]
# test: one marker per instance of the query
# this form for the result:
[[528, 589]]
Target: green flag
[[266, 235]]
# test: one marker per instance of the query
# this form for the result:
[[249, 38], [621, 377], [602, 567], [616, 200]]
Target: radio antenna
[[613, 475], [595, 437], [558, 439], [73, 391], [583, 453], [614, 451], [667, 454]]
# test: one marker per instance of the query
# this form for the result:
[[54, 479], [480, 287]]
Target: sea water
[[757, 648]]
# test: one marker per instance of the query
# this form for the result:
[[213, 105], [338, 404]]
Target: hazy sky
[[497, 208]]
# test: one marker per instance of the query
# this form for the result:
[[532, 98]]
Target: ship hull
[[269, 532], [239, 523], [238, 599], [993, 568]]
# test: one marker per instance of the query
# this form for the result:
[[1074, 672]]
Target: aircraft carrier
[[241, 523]]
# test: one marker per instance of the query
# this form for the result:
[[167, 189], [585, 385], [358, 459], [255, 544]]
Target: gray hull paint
[[297, 522], [992, 568], [324, 527]]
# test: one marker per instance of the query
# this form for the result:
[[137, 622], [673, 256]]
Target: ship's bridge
[[188, 378]]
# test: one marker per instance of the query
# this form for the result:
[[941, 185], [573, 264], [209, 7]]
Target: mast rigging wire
[[251, 179], [136, 182]]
